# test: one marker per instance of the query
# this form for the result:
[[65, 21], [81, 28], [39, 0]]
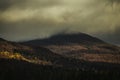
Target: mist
[[32, 19]]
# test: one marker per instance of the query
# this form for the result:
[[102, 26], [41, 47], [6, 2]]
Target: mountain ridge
[[73, 60], [66, 39], [79, 46]]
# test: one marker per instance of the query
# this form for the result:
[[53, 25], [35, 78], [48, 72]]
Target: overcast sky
[[31, 19]]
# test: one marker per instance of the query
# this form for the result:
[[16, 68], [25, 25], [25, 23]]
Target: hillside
[[37, 55], [61, 57], [80, 46]]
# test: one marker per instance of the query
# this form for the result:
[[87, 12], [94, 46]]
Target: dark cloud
[[114, 1], [24, 4], [28, 19], [5, 4], [30, 29]]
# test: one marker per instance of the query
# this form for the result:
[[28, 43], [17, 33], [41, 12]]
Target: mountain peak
[[65, 39], [76, 36]]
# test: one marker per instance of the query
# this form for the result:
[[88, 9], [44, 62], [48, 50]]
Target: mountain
[[66, 39], [60, 57], [40, 55], [36, 55], [80, 46]]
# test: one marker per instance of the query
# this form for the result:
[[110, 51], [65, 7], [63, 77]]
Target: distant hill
[[37, 55], [63, 56], [80, 46], [66, 39]]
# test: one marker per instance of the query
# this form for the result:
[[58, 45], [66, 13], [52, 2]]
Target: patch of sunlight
[[18, 56]]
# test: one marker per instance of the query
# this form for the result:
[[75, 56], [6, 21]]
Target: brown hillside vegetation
[[80, 46], [69, 57]]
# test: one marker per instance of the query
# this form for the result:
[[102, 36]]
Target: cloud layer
[[31, 19]]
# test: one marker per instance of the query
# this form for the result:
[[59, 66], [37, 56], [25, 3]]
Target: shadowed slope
[[52, 62], [80, 46], [66, 39]]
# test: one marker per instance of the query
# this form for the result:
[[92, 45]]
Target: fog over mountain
[[31, 19]]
